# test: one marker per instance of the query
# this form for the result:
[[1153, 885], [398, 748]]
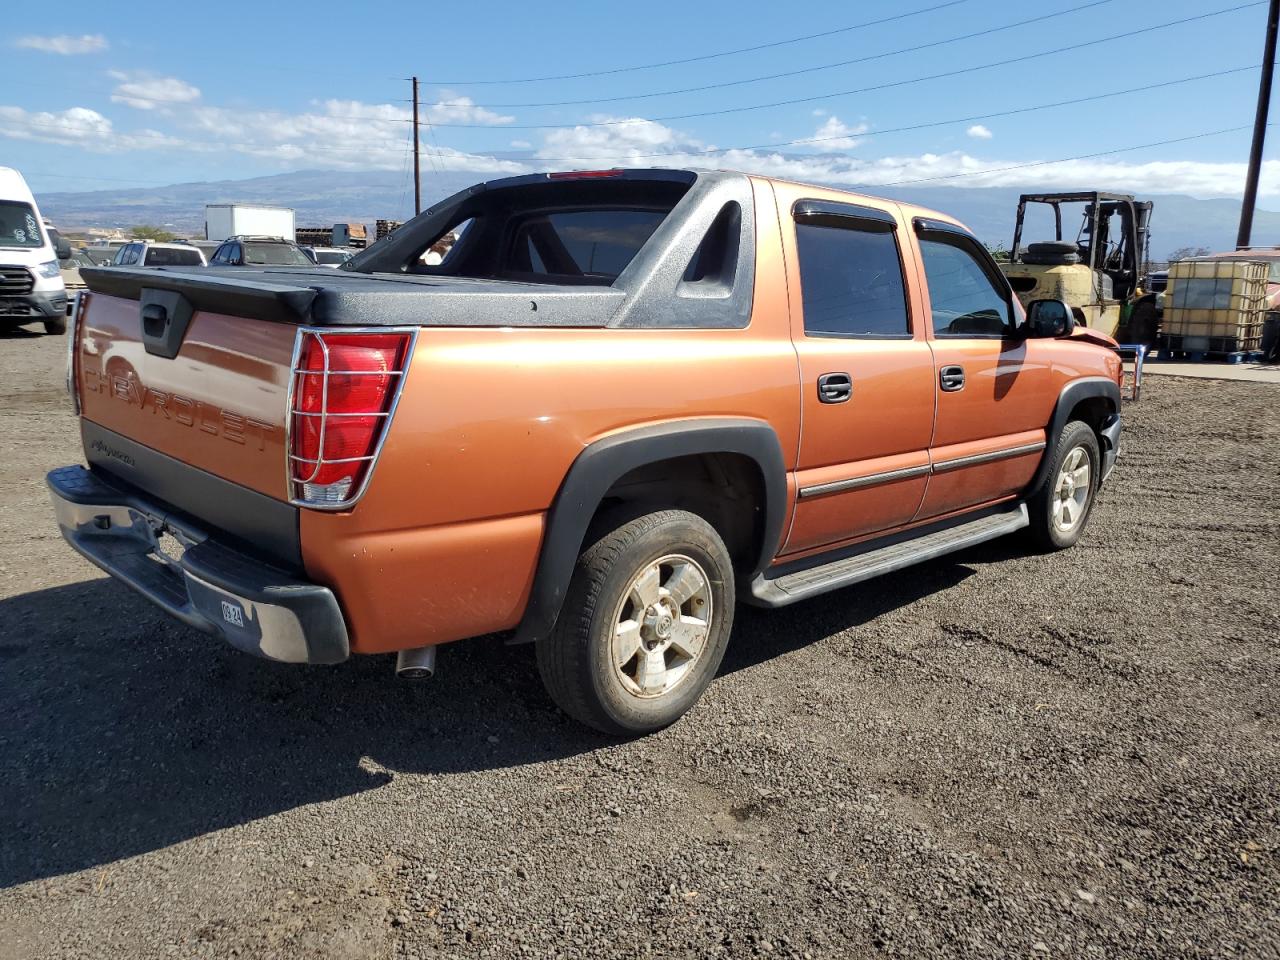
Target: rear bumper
[[249, 604], [33, 306]]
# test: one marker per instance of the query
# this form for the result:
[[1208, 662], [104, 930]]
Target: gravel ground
[[993, 755]]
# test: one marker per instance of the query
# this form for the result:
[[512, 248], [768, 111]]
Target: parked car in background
[[153, 253], [624, 401], [70, 267], [328, 256], [259, 252], [31, 285]]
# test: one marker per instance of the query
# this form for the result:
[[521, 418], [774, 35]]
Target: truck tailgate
[[218, 405]]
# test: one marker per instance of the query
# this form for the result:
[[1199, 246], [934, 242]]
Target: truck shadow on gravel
[[126, 732]]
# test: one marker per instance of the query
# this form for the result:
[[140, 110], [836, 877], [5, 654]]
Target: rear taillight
[[345, 387]]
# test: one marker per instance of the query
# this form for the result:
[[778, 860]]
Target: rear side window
[[596, 244], [166, 257], [851, 282]]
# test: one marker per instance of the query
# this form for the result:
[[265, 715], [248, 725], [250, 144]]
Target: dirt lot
[[994, 755]]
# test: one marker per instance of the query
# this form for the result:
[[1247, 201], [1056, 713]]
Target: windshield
[[332, 256], [19, 226], [275, 255]]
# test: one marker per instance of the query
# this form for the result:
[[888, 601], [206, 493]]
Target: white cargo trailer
[[222, 220]]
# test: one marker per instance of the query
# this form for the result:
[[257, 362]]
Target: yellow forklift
[[1098, 273]]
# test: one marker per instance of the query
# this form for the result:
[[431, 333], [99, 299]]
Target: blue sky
[[115, 95]]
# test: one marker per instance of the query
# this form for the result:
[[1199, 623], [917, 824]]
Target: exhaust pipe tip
[[419, 664]]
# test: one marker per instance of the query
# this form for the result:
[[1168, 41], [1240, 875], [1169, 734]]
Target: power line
[[707, 56], [804, 70], [1015, 111], [437, 155], [760, 106], [869, 89]]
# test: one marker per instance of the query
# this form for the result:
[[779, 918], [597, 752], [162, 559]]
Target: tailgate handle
[[165, 316]]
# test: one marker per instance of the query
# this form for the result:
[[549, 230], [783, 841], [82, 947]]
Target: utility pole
[[417, 175], [1259, 130]]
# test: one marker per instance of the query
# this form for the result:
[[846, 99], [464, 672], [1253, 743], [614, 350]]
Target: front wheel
[[1061, 508], [644, 626], [55, 327]]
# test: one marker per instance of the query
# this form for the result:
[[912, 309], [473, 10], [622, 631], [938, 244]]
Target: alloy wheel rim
[[1071, 490], [661, 626]]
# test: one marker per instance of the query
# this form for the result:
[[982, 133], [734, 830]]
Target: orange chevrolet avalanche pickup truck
[[621, 402]]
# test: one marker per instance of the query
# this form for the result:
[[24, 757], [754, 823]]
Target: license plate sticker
[[233, 613]]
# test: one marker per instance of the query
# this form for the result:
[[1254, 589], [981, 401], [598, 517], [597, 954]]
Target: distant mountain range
[[323, 197]]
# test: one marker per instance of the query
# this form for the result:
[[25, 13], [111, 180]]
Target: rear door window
[[591, 244], [851, 282]]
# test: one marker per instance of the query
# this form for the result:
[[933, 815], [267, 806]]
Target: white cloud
[[64, 45], [78, 126], [450, 108], [337, 134], [345, 134], [646, 143], [979, 132], [837, 135], [145, 92], [621, 138], [522, 144]]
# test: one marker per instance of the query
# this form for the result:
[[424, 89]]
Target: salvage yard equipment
[[1096, 274], [1215, 308]]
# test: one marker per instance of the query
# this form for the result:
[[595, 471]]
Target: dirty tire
[[613, 573], [1077, 444], [55, 327]]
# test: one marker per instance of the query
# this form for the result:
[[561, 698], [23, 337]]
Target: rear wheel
[[644, 625], [1061, 508], [55, 327]]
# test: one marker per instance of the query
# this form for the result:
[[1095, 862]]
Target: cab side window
[[851, 280], [963, 297]]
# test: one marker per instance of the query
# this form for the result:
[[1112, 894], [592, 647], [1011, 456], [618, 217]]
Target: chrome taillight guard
[[73, 347], [295, 372]]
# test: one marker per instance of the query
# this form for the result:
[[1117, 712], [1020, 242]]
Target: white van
[[31, 287]]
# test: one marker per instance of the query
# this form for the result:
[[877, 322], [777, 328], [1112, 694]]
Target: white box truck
[[223, 220]]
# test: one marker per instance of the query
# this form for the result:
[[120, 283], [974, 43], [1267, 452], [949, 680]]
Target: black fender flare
[[603, 463], [1086, 388]]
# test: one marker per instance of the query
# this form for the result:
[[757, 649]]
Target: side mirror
[[62, 248], [1049, 319]]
